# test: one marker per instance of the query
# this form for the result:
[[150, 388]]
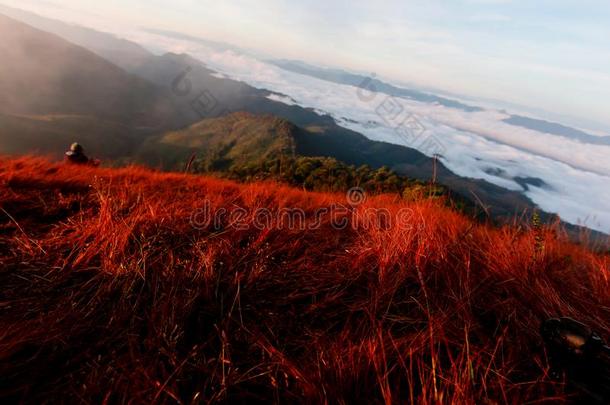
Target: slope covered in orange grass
[[115, 288]]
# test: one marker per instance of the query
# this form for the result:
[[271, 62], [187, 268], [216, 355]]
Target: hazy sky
[[550, 54]]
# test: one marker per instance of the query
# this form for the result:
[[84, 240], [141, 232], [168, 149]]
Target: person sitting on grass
[[76, 155]]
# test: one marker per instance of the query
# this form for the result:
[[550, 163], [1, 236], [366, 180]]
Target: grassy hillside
[[236, 139], [328, 174], [116, 289]]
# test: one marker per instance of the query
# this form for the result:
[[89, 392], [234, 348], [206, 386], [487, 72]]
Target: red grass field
[[109, 294]]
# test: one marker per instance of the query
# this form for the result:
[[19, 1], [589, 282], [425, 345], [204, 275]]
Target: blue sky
[[553, 55]]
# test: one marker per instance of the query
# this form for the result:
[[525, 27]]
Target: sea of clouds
[[472, 144]]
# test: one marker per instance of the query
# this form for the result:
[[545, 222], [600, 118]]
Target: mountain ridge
[[123, 53], [43, 74]]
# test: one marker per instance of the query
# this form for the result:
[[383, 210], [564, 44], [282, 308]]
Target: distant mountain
[[373, 84], [53, 92], [123, 53], [42, 74], [236, 139], [557, 129], [369, 83], [196, 90]]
